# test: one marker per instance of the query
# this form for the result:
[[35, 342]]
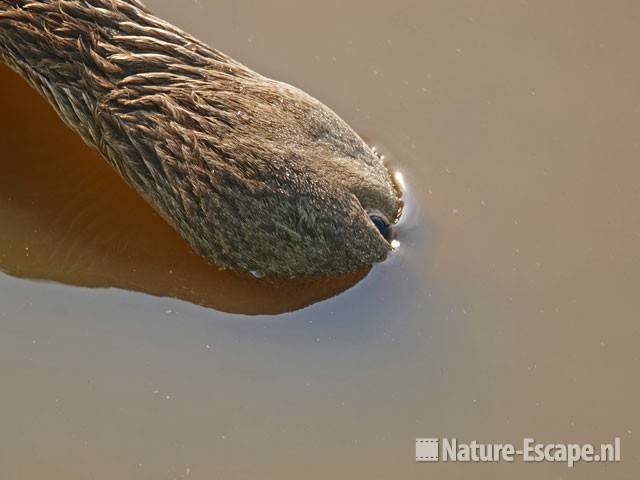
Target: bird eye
[[381, 223]]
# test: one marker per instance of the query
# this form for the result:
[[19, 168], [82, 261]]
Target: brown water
[[73, 220], [510, 309]]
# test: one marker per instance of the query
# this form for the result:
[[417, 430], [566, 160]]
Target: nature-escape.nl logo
[[453, 450]]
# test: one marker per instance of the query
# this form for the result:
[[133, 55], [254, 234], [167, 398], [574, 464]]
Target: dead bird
[[255, 174]]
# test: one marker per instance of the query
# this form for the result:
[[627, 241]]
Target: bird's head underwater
[[255, 174], [259, 176]]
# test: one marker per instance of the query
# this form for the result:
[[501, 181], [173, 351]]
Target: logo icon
[[427, 449]]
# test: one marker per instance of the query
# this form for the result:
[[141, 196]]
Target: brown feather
[[254, 173]]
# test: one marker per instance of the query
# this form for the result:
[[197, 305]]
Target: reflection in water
[[510, 309], [66, 216]]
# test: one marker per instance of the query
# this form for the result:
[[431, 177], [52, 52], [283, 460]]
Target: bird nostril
[[381, 223]]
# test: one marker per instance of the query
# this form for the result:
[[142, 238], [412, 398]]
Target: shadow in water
[[66, 216]]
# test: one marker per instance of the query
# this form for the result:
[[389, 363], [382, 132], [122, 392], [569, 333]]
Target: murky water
[[510, 310], [73, 220]]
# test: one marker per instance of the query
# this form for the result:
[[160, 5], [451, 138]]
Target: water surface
[[510, 309]]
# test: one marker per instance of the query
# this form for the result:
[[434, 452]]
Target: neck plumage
[[76, 52]]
